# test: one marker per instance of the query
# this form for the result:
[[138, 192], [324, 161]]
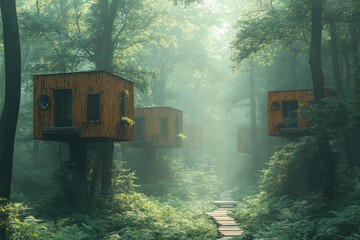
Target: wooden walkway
[[227, 226]]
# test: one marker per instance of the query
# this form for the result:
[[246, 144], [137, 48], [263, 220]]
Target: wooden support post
[[150, 163], [78, 154], [107, 152]]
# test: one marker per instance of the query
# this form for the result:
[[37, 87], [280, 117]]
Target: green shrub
[[196, 182], [186, 183], [22, 226], [293, 170]]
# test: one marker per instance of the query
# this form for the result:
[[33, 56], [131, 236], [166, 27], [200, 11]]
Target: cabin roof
[[79, 72], [298, 90], [158, 108]]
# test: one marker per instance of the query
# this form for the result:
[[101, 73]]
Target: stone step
[[221, 218], [217, 214], [226, 204], [231, 233], [226, 223], [228, 228]]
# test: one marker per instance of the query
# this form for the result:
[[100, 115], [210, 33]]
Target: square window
[[63, 107], [93, 107], [122, 105], [290, 113], [139, 128], [164, 125]]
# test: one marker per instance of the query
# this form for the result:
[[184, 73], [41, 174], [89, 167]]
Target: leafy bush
[[187, 183], [293, 170], [130, 215], [22, 226], [266, 217], [141, 216], [339, 119]]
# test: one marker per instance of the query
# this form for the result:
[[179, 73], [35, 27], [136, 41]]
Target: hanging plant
[[126, 93], [181, 136], [127, 121]]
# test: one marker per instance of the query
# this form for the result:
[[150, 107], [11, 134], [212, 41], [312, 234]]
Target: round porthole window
[[275, 105], [44, 102]]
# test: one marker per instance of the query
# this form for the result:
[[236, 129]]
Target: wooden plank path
[[227, 226]]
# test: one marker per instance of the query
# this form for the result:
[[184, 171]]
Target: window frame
[[93, 113], [164, 125]]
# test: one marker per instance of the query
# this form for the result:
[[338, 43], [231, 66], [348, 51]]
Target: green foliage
[[267, 29], [339, 119], [127, 121], [310, 217], [181, 136], [144, 217], [130, 215], [274, 213], [22, 226], [186, 183], [292, 169], [123, 180]]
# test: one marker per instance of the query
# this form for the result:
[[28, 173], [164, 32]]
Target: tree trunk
[[107, 149], [78, 154], [256, 163], [315, 51], [96, 164], [335, 58], [355, 55], [107, 46], [107, 53], [327, 161], [149, 164], [10, 112]]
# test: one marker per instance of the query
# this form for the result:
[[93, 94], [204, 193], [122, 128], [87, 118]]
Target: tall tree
[[315, 50], [335, 57], [107, 14], [327, 161], [9, 115]]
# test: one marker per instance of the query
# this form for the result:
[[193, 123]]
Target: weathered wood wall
[[194, 136], [275, 117], [107, 85], [153, 134]]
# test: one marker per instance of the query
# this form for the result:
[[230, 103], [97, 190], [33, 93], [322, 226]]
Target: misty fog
[[189, 119]]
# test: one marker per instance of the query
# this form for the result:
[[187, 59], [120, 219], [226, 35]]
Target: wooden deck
[[227, 226]]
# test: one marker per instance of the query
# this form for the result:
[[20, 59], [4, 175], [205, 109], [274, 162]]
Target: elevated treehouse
[[89, 105]]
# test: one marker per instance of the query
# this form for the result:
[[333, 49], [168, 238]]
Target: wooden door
[[63, 107]]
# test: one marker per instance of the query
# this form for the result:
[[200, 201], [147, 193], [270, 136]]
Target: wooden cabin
[[159, 126], [92, 105], [193, 136], [282, 111]]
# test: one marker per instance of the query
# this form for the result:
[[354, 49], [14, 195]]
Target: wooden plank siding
[[193, 136], [107, 85], [275, 117], [152, 129]]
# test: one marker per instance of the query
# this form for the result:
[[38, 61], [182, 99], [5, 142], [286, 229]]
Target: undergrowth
[[132, 216], [129, 215], [289, 203]]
